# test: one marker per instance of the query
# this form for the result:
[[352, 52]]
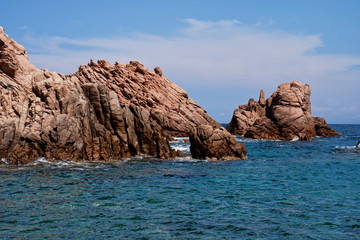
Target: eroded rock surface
[[168, 105], [212, 143], [285, 115], [101, 112]]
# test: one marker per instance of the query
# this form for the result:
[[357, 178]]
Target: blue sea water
[[285, 190]]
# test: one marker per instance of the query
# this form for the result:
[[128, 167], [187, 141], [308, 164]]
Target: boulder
[[286, 115], [158, 71], [212, 143]]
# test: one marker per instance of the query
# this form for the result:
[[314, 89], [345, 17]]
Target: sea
[[284, 190]]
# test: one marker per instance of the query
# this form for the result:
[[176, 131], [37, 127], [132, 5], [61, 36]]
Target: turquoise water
[[286, 190]]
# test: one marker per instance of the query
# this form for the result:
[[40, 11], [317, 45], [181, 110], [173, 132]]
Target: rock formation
[[101, 112], [168, 105], [285, 115], [212, 143]]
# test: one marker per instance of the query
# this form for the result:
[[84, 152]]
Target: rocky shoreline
[[102, 112], [106, 112]]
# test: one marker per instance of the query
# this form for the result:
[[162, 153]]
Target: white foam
[[3, 160], [188, 159], [180, 139], [139, 157], [40, 161], [64, 164], [242, 139], [181, 148], [296, 138], [60, 163], [345, 147]]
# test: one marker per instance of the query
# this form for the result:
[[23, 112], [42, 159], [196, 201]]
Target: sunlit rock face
[[102, 112], [286, 115], [168, 105]]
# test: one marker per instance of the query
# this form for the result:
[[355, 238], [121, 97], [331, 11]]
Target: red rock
[[169, 105], [323, 130], [158, 71], [285, 115], [262, 100], [102, 112], [212, 143]]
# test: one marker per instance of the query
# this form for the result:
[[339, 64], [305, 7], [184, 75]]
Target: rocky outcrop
[[212, 143], [101, 112], [323, 130], [286, 115], [168, 105]]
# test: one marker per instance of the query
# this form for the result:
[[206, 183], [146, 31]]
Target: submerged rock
[[212, 143], [286, 115], [101, 112]]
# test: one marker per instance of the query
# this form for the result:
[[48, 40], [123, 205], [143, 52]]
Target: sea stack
[[286, 115], [102, 112]]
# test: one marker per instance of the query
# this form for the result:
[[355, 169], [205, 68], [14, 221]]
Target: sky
[[222, 52]]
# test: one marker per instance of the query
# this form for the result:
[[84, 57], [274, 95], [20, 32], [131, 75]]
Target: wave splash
[[346, 147]]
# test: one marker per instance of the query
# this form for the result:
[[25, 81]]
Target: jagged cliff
[[283, 116], [101, 112]]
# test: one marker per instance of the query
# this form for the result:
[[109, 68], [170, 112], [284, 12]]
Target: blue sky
[[221, 52]]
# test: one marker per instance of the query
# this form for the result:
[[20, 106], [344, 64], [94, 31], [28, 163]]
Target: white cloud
[[197, 26], [216, 54]]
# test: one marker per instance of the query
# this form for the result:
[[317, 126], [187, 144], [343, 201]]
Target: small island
[[286, 115]]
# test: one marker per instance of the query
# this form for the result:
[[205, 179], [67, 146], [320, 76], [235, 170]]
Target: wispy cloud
[[197, 26], [216, 53], [24, 28]]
